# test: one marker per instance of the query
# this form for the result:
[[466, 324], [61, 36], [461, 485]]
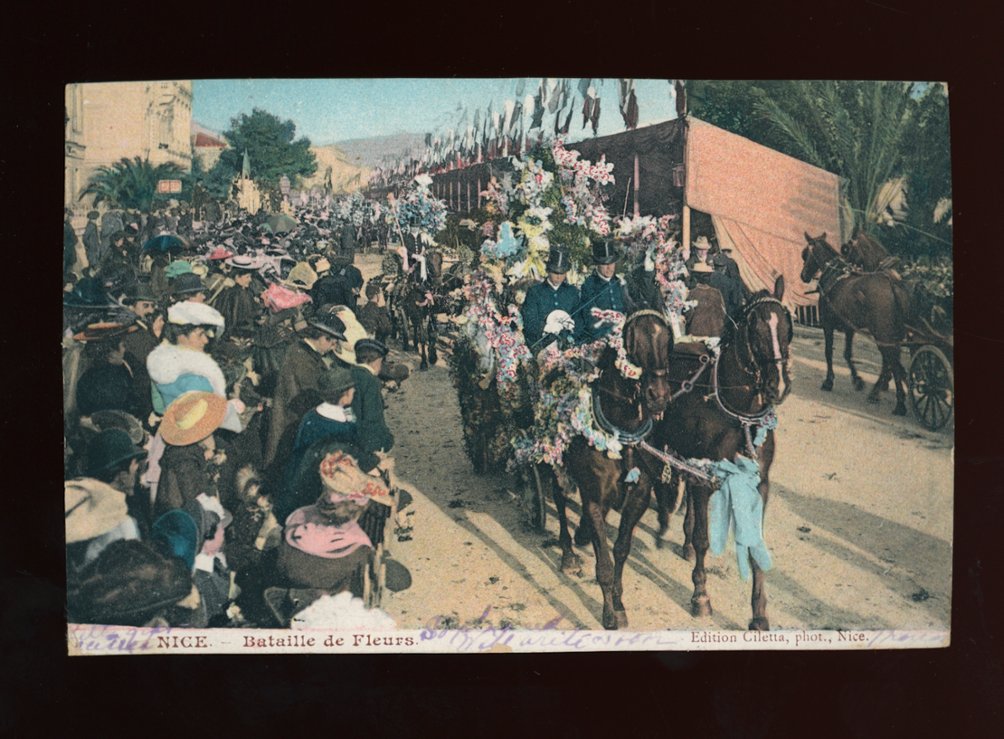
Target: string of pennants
[[520, 123]]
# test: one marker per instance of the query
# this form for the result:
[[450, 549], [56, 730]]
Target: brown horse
[[625, 407], [715, 419], [866, 253], [873, 302]]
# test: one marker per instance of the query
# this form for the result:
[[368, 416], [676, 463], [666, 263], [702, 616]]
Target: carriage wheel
[[932, 387], [537, 486]]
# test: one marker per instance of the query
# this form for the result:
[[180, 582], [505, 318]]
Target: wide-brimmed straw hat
[[344, 480], [92, 508], [301, 276], [192, 417]]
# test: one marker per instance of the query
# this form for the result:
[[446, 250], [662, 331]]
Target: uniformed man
[[546, 302], [603, 289]]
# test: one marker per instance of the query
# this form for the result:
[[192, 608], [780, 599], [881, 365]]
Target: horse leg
[[594, 509], [700, 603], [688, 525], [667, 497], [584, 534], [859, 384], [638, 497], [890, 357], [828, 351], [883, 379], [571, 563], [420, 342], [433, 338]]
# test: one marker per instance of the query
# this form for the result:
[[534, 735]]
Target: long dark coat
[[239, 309], [372, 433], [184, 474], [301, 370]]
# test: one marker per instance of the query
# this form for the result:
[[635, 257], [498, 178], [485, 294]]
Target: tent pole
[[686, 230]]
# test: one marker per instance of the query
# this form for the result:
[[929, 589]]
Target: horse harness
[[746, 420]]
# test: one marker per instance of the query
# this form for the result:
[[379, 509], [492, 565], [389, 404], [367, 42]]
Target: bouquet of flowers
[[419, 208]]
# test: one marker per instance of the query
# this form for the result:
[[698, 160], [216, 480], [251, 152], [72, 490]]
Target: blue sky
[[327, 111]]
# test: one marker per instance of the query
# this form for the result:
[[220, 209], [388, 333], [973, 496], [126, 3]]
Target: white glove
[[558, 321]]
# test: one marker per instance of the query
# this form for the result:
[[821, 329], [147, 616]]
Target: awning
[[762, 202]]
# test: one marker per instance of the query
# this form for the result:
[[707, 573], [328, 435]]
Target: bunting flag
[[680, 88], [628, 103], [537, 121]]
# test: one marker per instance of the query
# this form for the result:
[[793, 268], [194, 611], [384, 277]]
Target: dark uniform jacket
[[602, 294], [367, 405], [540, 301], [300, 372]]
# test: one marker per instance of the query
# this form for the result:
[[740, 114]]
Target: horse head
[[764, 333], [648, 343], [815, 256]]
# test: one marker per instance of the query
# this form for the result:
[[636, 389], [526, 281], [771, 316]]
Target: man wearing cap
[[368, 407], [603, 289], [550, 304], [296, 384]]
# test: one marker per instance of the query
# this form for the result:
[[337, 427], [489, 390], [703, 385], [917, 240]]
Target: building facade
[[109, 121]]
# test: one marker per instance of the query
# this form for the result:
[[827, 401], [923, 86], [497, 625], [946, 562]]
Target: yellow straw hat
[[192, 417]]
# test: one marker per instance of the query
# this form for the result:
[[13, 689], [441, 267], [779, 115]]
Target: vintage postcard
[[507, 365]]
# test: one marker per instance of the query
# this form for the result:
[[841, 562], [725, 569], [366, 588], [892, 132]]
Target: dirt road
[[859, 523]]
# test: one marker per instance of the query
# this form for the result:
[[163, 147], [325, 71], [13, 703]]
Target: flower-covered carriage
[[522, 407]]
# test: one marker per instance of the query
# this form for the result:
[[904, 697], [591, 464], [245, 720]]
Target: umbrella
[[164, 243], [281, 223]]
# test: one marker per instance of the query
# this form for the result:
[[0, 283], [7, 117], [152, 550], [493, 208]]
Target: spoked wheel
[[536, 489], [932, 387]]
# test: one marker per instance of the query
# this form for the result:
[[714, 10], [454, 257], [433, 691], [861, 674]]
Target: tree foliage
[[869, 133], [130, 183], [271, 146]]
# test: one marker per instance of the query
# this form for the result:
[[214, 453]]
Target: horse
[[413, 308], [749, 378], [866, 253], [626, 407], [874, 302]]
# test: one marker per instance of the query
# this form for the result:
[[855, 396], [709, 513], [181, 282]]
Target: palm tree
[[855, 129], [130, 183]]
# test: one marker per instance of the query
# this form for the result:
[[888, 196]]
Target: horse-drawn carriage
[[930, 376], [860, 290]]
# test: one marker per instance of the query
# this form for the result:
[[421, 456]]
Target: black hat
[[141, 291], [557, 261], [329, 322], [334, 383], [129, 583], [89, 292], [604, 252], [110, 447], [189, 282], [371, 345]]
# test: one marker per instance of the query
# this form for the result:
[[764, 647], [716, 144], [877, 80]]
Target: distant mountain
[[372, 152], [346, 176]]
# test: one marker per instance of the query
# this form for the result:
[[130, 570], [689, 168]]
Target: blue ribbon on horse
[[737, 503], [768, 423]]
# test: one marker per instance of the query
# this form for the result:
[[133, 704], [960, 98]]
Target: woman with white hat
[[180, 364]]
